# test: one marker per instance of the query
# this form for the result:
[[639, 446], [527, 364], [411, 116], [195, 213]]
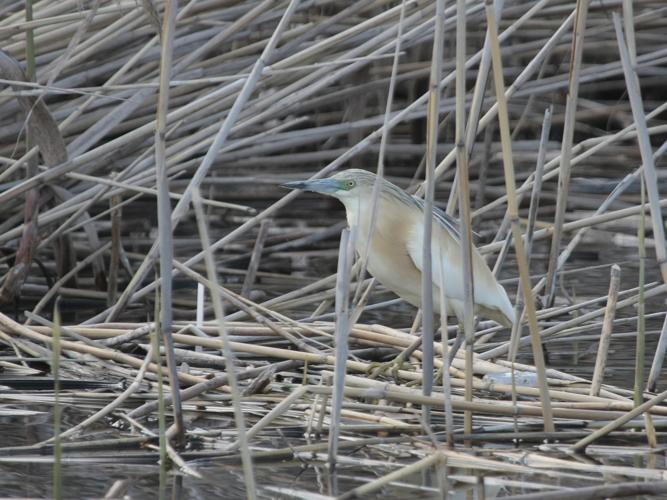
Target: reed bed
[[163, 300]]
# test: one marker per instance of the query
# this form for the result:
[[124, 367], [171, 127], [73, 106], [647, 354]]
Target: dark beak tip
[[324, 186], [292, 185]]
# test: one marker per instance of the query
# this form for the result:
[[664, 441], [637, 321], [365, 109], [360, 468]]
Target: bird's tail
[[502, 312]]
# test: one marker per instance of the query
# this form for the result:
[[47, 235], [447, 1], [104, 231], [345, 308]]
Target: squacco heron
[[395, 251]]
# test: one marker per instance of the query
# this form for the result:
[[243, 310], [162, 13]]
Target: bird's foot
[[438, 377], [392, 367]]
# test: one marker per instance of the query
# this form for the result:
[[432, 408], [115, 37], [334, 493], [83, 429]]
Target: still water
[[92, 477]]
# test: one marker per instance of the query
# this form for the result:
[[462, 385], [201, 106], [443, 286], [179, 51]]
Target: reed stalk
[[345, 258], [618, 422], [345, 84], [464, 205], [530, 227], [179, 211], [216, 299], [564, 170], [57, 408], [161, 405], [420, 465], [512, 209], [446, 361], [650, 176], [605, 335], [432, 140], [640, 353], [658, 358], [116, 216], [164, 210]]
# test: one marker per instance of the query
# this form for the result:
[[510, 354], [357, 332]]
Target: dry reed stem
[[428, 330], [164, 220], [530, 227], [601, 491], [369, 488], [564, 169], [255, 258], [649, 173], [248, 473], [220, 138], [98, 71], [345, 258], [464, 206], [512, 210], [638, 410], [658, 358], [605, 335]]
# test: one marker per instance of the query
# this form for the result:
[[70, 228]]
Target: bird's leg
[[451, 352], [397, 363], [458, 341]]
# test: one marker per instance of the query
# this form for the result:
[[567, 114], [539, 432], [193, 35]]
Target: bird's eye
[[349, 184]]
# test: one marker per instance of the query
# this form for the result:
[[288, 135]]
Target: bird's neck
[[359, 212]]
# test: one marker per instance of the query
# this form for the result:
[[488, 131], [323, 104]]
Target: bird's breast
[[388, 258]]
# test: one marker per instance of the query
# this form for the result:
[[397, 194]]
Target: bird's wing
[[448, 223], [445, 257], [447, 262]]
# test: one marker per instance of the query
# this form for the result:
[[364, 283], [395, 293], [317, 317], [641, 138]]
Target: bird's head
[[345, 185]]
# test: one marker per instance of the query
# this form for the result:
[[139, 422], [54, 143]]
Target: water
[[92, 475]]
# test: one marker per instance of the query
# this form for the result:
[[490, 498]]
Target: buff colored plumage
[[395, 253]]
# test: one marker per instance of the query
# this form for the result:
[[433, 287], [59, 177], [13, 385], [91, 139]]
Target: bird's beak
[[325, 186]]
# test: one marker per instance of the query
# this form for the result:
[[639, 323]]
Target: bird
[[394, 249]]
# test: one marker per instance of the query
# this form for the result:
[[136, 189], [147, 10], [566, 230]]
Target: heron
[[394, 249]]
